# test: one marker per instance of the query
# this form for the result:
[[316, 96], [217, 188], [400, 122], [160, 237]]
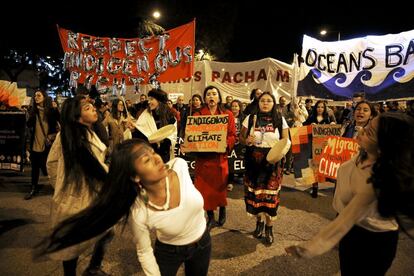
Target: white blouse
[[266, 137], [356, 203], [178, 226]]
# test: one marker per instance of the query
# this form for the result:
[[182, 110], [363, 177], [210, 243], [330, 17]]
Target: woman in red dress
[[212, 169]]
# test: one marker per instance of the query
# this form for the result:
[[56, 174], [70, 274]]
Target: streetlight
[[324, 32], [156, 14]]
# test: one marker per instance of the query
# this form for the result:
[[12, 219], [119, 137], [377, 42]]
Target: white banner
[[380, 66], [234, 79]]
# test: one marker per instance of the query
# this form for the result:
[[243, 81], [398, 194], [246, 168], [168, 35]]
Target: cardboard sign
[[319, 139], [206, 133], [337, 151]]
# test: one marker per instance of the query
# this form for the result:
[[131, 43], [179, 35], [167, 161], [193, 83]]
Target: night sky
[[241, 30]]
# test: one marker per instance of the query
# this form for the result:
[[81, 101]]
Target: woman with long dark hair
[[77, 172], [196, 105], [212, 168], [149, 196], [156, 116], [319, 116], [372, 190], [363, 113], [118, 123], [43, 123], [263, 180]]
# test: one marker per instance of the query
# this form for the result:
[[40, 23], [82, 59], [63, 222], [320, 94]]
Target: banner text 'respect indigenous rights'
[[132, 61]]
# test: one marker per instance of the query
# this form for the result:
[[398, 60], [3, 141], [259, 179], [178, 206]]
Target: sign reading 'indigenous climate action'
[[206, 133], [114, 61]]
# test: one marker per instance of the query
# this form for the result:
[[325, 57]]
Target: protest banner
[[382, 67], [117, 62]]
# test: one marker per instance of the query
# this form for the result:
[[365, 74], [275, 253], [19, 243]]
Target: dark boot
[[314, 192], [258, 232], [210, 220], [31, 194], [222, 216], [269, 234]]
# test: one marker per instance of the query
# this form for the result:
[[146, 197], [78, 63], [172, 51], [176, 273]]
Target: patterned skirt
[[262, 183]]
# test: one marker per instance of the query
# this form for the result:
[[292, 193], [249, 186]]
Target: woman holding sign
[[212, 168], [262, 181], [372, 189]]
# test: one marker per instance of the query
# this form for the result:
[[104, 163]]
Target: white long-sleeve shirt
[[178, 226], [356, 203]]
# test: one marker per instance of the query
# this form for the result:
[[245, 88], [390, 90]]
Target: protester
[[174, 111], [319, 115], [363, 113], [141, 189], [377, 181], [212, 168], [119, 124], [236, 109], [263, 180], [229, 99], [196, 104], [43, 123], [253, 106], [77, 172], [156, 116]]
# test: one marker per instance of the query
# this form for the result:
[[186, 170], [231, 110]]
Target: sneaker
[[229, 187]]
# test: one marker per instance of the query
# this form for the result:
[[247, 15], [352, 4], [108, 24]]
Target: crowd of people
[[96, 154]]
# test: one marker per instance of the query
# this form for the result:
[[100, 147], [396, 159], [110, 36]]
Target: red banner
[[107, 61]]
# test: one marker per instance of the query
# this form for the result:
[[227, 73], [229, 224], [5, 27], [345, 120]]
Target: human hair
[[274, 113], [220, 103], [253, 94], [79, 163], [114, 109], [359, 95], [199, 97], [239, 103], [47, 104], [374, 113], [393, 172], [314, 114], [112, 204]]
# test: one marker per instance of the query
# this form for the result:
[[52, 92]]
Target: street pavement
[[235, 251]]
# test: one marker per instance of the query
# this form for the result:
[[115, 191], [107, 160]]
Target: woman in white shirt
[[263, 181], [140, 184], [368, 241]]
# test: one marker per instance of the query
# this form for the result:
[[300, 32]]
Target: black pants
[[362, 252], [38, 160], [69, 266], [195, 256]]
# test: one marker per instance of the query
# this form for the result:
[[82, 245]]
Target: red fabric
[[212, 169], [82, 55]]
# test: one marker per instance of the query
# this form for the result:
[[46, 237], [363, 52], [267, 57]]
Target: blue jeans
[[195, 256]]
